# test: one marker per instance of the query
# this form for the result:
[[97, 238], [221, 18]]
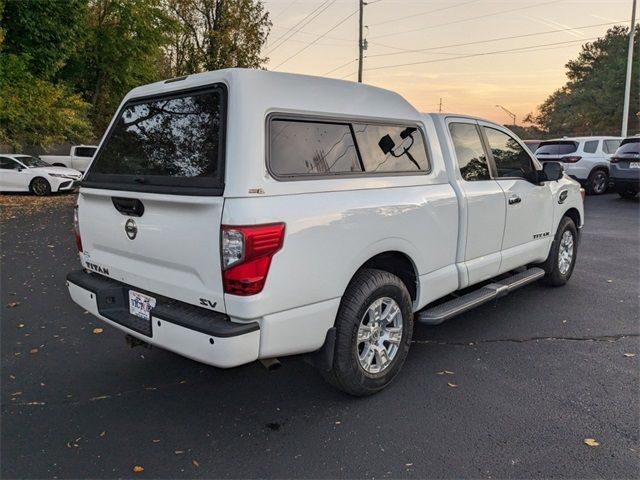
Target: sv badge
[[208, 303]]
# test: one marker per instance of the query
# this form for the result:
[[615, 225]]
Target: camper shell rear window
[[171, 143]]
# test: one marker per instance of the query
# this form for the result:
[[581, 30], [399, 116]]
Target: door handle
[[513, 199]]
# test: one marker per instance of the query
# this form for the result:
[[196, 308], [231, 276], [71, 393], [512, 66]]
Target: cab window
[[472, 160], [511, 159]]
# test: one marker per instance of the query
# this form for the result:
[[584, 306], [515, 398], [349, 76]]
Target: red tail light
[[246, 256], [76, 228], [571, 159]]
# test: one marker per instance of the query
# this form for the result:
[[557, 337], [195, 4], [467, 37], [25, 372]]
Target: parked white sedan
[[24, 173]]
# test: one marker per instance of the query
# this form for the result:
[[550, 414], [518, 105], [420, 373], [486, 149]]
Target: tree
[[216, 34], [44, 32], [36, 39], [591, 101], [35, 111], [123, 48]]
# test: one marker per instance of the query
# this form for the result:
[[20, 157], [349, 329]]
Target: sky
[[465, 59]]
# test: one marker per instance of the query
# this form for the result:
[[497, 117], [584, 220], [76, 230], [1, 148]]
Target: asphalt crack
[[603, 338]]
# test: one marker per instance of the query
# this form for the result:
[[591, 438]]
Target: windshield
[[32, 162], [174, 140], [557, 148]]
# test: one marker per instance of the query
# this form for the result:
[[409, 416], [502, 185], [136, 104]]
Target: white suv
[[243, 215], [585, 159]]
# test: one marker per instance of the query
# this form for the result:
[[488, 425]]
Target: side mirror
[[386, 144], [553, 171]]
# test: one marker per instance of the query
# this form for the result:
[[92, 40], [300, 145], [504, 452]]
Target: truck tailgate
[[175, 251]]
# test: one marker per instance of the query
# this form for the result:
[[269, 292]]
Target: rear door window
[[472, 160], [591, 146], [174, 141], [556, 148], [510, 158]]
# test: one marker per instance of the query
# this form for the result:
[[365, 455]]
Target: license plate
[[634, 164], [140, 304]]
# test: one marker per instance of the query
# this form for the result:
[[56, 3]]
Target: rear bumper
[[197, 333]]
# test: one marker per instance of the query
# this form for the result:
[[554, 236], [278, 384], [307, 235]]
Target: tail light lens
[[76, 228], [571, 159], [246, 256]]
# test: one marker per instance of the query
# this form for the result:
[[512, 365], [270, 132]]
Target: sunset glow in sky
[[463, 58]]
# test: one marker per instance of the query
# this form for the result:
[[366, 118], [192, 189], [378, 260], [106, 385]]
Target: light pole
[[627, 88]]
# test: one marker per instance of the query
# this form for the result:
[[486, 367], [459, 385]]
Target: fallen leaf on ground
[[102, 434], [13, 304], [452, 385], [444, 372], [609, 281], [178, 452], [21, 325], [591, 442], [195, 463], [138, 469], [629, 354], [155, 440], [33, 350], [98, 330]]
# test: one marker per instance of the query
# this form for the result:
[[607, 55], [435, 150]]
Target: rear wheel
[[598, 182], [374, 327], [562, 257], [40, 187]]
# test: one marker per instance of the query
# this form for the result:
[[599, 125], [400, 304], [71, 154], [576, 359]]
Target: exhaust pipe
[[270, 364], [136, 342]]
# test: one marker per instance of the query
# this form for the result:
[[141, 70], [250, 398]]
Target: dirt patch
[[13, 206]]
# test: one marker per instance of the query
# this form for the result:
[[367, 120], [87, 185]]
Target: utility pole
[[440, 106], [360, 42], [512, 115], [627, 88]]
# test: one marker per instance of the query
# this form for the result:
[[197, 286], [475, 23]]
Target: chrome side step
[[445, 311]]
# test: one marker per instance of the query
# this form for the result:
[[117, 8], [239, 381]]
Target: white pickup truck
[[243, 215], [79, 158]]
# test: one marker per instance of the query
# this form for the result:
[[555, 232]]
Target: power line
[[481, 54], [547, 32], [338, 68], [531, 48], [467, 19], [301, 24], [317, 39], [421, 13]]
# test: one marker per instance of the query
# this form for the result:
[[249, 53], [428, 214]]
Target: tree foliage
[[35, 111], [216, 34], [123, 48], [66, 65], [591, 102]]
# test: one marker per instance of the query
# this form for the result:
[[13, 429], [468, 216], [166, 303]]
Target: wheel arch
[[574, 215], [397, 263]]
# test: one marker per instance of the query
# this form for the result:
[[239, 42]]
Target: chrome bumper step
[[439, 313]]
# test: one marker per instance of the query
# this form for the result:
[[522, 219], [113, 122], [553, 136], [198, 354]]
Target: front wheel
[[562, 257], [40, 187], [598, 182], [374, 327]]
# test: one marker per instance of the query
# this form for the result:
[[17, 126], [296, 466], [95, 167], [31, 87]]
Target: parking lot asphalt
[[532, 376]]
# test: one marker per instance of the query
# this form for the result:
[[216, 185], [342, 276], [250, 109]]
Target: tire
[[557, 270], [627, 192], [368, 330], [598, 182], [40, 186]]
